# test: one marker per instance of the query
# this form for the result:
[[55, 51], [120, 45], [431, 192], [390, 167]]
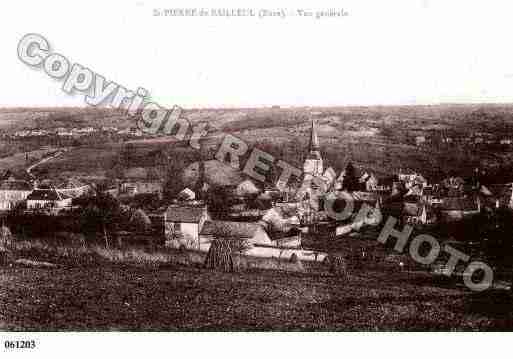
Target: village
[[290, 223]]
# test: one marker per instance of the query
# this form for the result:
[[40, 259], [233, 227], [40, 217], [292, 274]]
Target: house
[[252, 233], [13, 192], [453, 182], [183, 224], [24, 133], [63, 132], [431, 195], [500, 194], [246, 188], [47, 199], [282, 218], [83, 130], [109, 129], [419, 140], [411, 179], [329, 177], [141, 187], [458, 208], [132, 131], [371, 183], [417, 213], [186, 195], [415, 190]]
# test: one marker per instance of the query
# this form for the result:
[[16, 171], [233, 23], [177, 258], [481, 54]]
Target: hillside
[[377, 139]]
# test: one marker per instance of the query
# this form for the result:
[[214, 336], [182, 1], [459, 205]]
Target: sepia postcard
[[196, 178]]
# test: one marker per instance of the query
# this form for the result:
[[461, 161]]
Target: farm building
[[183, 224], [13, 192], [47, 199]]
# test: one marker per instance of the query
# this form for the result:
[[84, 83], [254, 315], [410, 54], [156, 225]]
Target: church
[[314, 184], [313, 165]]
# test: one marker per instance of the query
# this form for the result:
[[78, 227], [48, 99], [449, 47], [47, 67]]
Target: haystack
[[219, 256], [6, 256], [5, 238]]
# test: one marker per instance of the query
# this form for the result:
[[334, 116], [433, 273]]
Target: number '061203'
[[19, 344]]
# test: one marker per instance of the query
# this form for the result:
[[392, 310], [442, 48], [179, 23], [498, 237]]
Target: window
[[177, 227]]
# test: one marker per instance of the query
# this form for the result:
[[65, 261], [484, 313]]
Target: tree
[[127, 155], [351, 182], [101, 212], [115, 172], [140, 221]]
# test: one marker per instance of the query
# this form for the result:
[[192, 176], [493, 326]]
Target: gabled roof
[[247, 187], [185, 214], [186, 194], [49, 194]]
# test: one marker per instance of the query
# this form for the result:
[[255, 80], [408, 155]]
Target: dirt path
[[46, 159]]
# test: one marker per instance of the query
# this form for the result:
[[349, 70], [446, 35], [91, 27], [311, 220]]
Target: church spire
[[314, 140], [313, 161]]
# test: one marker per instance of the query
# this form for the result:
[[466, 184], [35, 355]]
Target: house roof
[[186, 194], [15, 186], [47, 194], [247, 187], [185, 214], [235, 229]]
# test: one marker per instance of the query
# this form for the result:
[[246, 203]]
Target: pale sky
[[383, 52]]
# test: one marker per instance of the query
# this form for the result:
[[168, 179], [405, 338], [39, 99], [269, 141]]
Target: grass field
[[120, 297]]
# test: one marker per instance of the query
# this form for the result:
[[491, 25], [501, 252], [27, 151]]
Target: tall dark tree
[[101, 213], [351, 182]]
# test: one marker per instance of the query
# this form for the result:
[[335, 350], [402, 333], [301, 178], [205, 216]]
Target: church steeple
[[314, 140], [313, 162]]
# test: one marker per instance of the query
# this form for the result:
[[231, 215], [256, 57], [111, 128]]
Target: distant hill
[[380, 139], [49, 118]]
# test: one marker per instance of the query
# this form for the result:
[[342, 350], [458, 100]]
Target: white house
[[183, 224], [47, 199], [13, 192]]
